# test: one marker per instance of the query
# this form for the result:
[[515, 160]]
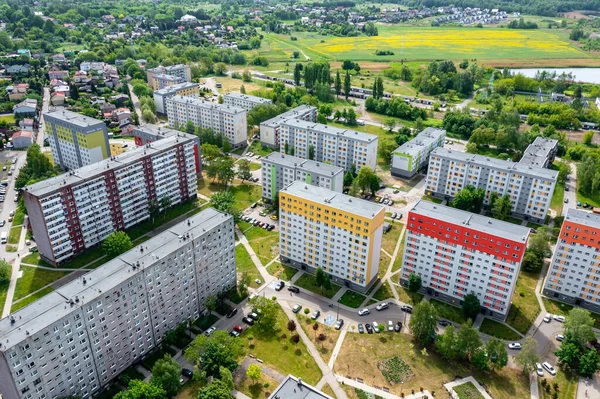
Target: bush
[[306, 311]]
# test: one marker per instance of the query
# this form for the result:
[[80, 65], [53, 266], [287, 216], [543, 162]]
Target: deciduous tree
[[528, 356], [116, 243], [165, 374], [423, 322], [471, 306], [254, 372]]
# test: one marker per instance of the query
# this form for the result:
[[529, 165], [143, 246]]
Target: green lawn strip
[[498, 330], [449, 312], [280, 353], [257, 149], [384, 264], [34, 259], [307, 281], [532, 225], [384, 292], [398, 262], [280, 271], [31, 298], [556, 203], [390, 239], [11, 248], [244, 264], [254, 166], [14, 235], [525, 307], [35, 278], [204, 322], [264, 243], [352, 299], [19, 217], [89, 256], [563, 309], [467, 391], [170, 214], [408, 297], [432, 199], [3, 291], [583, 198]]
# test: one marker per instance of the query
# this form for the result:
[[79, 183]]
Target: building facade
[[186, 89], [76, 140], [457, 252], [575, 269], [530, 188], [244, 101], [157, 77], [269, 130], [413, 156], [227, 120], [78, 338], [340, 234], [280, 170], [332, 145], [149, 133], [76, 210]]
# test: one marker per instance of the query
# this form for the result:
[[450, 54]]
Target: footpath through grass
[[323, 338], [35, 278], [525, 307], [31, 298], [280, 271], [245, 264]]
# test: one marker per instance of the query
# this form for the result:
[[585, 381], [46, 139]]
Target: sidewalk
[[380, 392]]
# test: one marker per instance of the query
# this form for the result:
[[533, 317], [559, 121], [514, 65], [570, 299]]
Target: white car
[[375, 326], [390, 325], [539, 370], [559, 318], [514, 345], [382, 305], [549, 368], [209, 331], [560, 337], [363, 312], [548, 318]]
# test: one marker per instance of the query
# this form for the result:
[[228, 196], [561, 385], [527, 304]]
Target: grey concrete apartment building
[[530, 188], [540, 153], [269, 130], [280, 170], [413, 156], [244, 101], [75, 340], [187, 89]]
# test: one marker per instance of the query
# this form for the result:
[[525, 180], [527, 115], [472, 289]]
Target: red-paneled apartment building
[[457, 252]]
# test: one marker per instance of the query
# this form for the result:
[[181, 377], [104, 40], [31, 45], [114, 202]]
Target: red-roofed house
[[57, 98], [22, 139]]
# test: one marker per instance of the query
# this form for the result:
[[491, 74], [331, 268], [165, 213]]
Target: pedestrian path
[[336, 349], [588, 388], [380, 392], [339, 294], [533, 386]]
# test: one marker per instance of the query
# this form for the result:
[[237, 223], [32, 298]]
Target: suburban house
[[26, 107], [22, 139], [18, 69], [17, 92], [57, 98], [58, 74], [59, 58], [26, 124]]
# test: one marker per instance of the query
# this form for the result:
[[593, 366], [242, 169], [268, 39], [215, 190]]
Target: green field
[[426, 43]]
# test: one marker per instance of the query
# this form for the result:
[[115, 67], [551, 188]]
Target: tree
[[268, 310], [338, 83], [446, 344], [471, 306], [297, 74], [502, 208], [463, 199], [374, 184], [390, 123], [589, 363], [531, 262], [480, 359], [226, 377], [587, 138], [291, 325], [351, 116], [528, 356], [221, 169], [327, 285], [217, 389], [210, 151], [568, 354], [467, 340], [209, 354], [242, 89], [423, 321], [578, 326], [73, 92], [538, 244], [220, 69], [116, 243], [414, 283], [224, 201], [348, 179], [226, 146], [347, 85], [254, 372], [244, 172], [5, 273], [165, 374], [311, 152], [354, 189], [365, 177], [497, 354], [138, 389]]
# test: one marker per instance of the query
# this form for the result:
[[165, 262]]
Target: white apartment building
[[161, 77], [332, 145], [530, 188], [338, 233], [244, 101], [186, 89], [457, 252], [78, 338], [76, 210], [413, 156], [540, 153], [227, 120], [574, 273], [269, 130], [280, 170]]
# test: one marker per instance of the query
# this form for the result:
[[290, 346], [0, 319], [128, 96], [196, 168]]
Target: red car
[[238, 329]]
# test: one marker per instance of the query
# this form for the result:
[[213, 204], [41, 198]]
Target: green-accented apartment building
[[412, 156], [76, 140]]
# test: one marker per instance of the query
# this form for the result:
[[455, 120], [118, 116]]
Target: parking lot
[[259, 214]]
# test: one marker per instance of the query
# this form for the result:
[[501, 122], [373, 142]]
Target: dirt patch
[[578, 14], [577, 136]]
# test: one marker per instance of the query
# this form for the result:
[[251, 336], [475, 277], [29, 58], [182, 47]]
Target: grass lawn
[[14, 235], [34, 259], [3, 290], [31, 298], [361, 353], [190, 390], [19, 217], [398, 262], [10, 119], [525, 306], [324, 347], [260, 389], [328, 391], [33, 279], [555, 307], [408, 297], [282, 354], [384, 292], [567, 386], [390, 239], [556, 203], [307, 281], [432, 199], [467, 391], [280, 271], [384, 264], [254, 166], [583, 198], [352, 299], [265, 243], [230, 84], [498, 330], [258, 149], [244, 264], [449, 312], [204, 322]]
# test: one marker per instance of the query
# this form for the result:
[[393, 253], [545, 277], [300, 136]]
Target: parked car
[[566, 188], [263, 213], [293, 289], [253, 316], [398, 326], [566, 200], [444, 323], [399, 216], [390, 325], [248, 321], [2, 223], [406, 308], [559, 318], [210, 331], [396, 191], [235, 333], [274, 217], [339, 324], [232, 313], [369, 328], [560, 337], [254, 205], [539, 370], [549, 368], [296, 308], [514, 345], [361, 329], [187, 372], [315, 315], [363, 312], [279, 286], [548, 318], [394, 215], [375, 327], [382, 306]]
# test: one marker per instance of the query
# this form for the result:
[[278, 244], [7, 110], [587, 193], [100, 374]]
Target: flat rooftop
[[421, 141], [74, 118], [331, 130], [334, 199], [56, 305], [87, 172], [164, 76], [474, 221], [299, 111], [174, 88], [231, 109], [531, 170], [585, 218], [157, 130], [291, 161], [538, 152], [295, 388], [254, 99]]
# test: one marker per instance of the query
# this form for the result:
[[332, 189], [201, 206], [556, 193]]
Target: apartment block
[[227, 120], [77, 210], [338, 233], [269, 130], [574, 273], [457, 252], [332, 145], [530, 188], [185, 89], [280, 170], [244, 101], [161, 77], [413, 156], [76, 140], [78, 338], [149, 133], [294, 388], [540, 153]]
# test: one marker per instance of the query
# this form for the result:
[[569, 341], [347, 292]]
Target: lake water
[[587, 75]]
